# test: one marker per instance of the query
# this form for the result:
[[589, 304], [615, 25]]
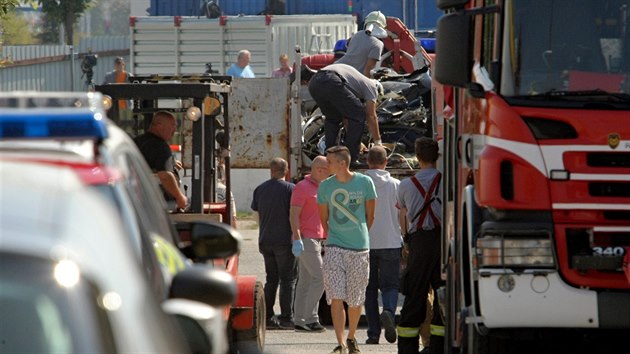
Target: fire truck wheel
[[253, 340]]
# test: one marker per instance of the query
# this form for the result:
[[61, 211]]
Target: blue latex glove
[[298, 247]]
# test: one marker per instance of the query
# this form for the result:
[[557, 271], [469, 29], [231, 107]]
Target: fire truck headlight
[[513, 251]]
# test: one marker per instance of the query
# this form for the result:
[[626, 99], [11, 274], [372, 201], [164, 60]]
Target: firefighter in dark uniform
[[420, 204]]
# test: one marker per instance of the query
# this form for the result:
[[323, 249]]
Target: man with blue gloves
[[308, 235]]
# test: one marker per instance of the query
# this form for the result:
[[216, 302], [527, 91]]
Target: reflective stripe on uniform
[[437, 330], [408, 332]]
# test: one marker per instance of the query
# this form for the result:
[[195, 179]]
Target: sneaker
[[387, 321], [272, 323], [301, 328], [315, 327], [310, 327], [340, 349], [353, 347], [371, 341], [286, 325]]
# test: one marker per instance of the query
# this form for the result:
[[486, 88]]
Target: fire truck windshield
[[566, 46]]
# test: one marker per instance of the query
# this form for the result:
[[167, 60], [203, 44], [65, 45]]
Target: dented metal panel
[[259, 122]]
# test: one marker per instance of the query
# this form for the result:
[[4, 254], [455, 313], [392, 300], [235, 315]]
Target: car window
[[115, 193], [140, 239], [143, 188]]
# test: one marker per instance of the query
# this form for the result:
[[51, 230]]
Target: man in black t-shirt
[[155, 148], [272, 200]]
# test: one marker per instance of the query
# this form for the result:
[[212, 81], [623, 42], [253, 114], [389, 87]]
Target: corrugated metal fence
[[183, 45], [58, 67]]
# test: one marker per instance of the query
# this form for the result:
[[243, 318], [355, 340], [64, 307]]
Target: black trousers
[[422, 272], [338, 102]]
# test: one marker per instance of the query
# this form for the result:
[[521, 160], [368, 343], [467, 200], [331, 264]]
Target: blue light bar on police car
[[43, 124]]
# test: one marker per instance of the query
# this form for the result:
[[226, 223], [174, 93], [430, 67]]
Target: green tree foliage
[[50, 31], [16, 31], [6, 6], [66, 12], [9, 29]]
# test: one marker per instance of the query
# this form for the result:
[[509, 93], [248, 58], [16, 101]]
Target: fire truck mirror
[[454, 50]]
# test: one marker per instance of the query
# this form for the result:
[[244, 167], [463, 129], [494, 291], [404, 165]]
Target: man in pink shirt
[[308, 235]]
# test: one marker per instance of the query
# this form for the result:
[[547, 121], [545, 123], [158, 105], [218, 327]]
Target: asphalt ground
[[288, 341]]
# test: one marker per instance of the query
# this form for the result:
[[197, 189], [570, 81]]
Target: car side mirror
[[204, 284], [197, 322], [206, 240]]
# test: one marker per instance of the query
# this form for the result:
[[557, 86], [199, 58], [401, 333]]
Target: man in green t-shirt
[[346, 207]]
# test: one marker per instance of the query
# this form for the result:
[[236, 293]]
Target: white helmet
[[375, 24]]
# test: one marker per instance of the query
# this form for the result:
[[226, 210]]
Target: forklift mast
[[203, 100]]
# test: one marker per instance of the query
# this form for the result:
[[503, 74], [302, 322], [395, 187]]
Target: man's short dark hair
[[377, 156], [278, 167], [119, 60], [427, 149], [341, 153]]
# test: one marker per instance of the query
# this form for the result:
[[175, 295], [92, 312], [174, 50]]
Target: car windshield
[[41, 316], [566, 48]]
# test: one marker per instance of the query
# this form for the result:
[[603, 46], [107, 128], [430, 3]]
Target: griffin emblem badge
[[613, 140]]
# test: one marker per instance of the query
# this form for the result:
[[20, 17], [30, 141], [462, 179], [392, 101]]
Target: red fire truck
[[532, 106]]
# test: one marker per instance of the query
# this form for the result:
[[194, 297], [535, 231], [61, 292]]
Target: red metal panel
[[243, 308]]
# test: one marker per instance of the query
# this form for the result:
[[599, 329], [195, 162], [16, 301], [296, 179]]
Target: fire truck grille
[[609, 189], [617, 215], [608, 159]]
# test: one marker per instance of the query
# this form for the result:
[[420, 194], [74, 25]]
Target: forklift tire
[[253, 340]]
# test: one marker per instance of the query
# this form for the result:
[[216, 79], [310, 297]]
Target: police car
[[69, 283], [70, 129]]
